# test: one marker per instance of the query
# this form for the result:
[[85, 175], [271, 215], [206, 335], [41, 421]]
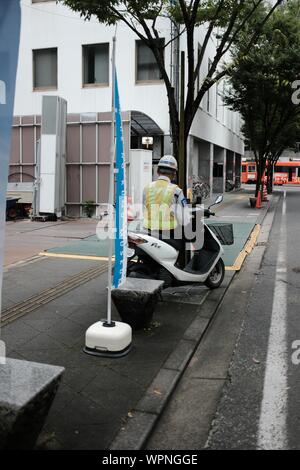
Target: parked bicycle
[[200, 189]]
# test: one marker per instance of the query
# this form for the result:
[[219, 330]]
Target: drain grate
[[32, 303]]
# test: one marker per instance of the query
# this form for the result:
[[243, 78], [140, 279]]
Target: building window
[[199, 74], [208, 102], [146, 66], [45, 68], [217, 100], [96, 64], [218, 170], [220, 104], [225, 110]]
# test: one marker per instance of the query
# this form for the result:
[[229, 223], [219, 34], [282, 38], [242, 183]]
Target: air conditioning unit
[[52, 157]]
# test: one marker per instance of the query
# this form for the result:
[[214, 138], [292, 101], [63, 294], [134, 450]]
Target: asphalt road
[[260, 406]]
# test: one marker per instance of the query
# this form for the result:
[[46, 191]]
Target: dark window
[[45, 68], [251, 168], [208, 102], [218, 170], [244, 169], [282, 169], [199, 74], [96, 64], [146, 66]]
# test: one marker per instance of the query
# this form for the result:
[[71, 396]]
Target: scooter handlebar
[[208, 213]]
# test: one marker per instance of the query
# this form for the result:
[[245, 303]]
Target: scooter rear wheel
[[139, 270], [216, 277]]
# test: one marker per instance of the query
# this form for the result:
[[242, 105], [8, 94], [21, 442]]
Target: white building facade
[[63, 55]]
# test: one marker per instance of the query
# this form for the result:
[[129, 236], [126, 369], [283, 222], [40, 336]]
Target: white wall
[[220, 125], [50, 25]]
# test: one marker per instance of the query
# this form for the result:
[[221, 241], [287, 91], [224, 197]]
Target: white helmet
[[168, 162]]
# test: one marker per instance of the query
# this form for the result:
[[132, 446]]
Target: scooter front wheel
[[216, 276], [166, 276], [138, 270]]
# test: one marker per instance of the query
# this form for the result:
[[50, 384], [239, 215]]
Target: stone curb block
[[135, 433], [178, 359], [159, 391], [196, 329]]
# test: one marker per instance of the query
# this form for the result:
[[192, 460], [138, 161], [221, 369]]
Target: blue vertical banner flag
[[121, 196], [10, 20]]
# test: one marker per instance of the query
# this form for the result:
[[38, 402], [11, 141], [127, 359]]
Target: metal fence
[[87, 157]]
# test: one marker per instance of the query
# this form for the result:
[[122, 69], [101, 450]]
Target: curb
[[67, 256], [138, 427], [251, 242], [22, 262], [252, 239]]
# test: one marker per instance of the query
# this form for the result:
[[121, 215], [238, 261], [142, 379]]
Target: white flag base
[[108, 340]]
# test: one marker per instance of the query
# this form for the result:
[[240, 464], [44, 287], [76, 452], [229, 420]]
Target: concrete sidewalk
[[96, 394], [26, 239], [101, 400], [94, 248]]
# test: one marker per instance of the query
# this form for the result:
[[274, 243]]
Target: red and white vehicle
[[284, 173]]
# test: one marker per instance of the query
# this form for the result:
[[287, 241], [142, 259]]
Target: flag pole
[[111, 186], [111, 338]]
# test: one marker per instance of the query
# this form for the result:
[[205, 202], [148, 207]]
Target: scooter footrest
[[201, 262]]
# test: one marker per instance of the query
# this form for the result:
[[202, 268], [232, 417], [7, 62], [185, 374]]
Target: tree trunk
[[261, 167], [258, 178], [270, 178], [258, 186], [182, 157]]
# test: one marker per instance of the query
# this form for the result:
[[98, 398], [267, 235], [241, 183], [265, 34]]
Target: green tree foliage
[[225, 20], [262, 86]]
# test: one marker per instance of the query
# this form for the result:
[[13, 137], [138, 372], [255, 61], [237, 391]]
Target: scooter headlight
[[130, 253], [135, 240]]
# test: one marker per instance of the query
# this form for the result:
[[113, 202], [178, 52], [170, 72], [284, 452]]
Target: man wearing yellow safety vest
[[166, 209]]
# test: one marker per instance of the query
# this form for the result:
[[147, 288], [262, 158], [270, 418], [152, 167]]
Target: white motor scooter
[[152, 258]]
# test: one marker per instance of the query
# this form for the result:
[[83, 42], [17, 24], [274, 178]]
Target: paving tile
[[18, 334], [84, 425], [66, 332], [114, 391]]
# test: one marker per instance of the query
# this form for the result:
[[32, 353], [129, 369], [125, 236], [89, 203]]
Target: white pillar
[[211, 168], [234, 169], [224, 157]]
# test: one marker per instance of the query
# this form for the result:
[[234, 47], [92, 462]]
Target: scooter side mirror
[[217, 201]]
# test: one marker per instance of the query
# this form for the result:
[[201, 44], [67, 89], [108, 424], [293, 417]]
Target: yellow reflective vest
[[158, 199]]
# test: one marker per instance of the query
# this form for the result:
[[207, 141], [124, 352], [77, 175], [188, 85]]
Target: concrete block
[[26, 394], [136, 300]]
